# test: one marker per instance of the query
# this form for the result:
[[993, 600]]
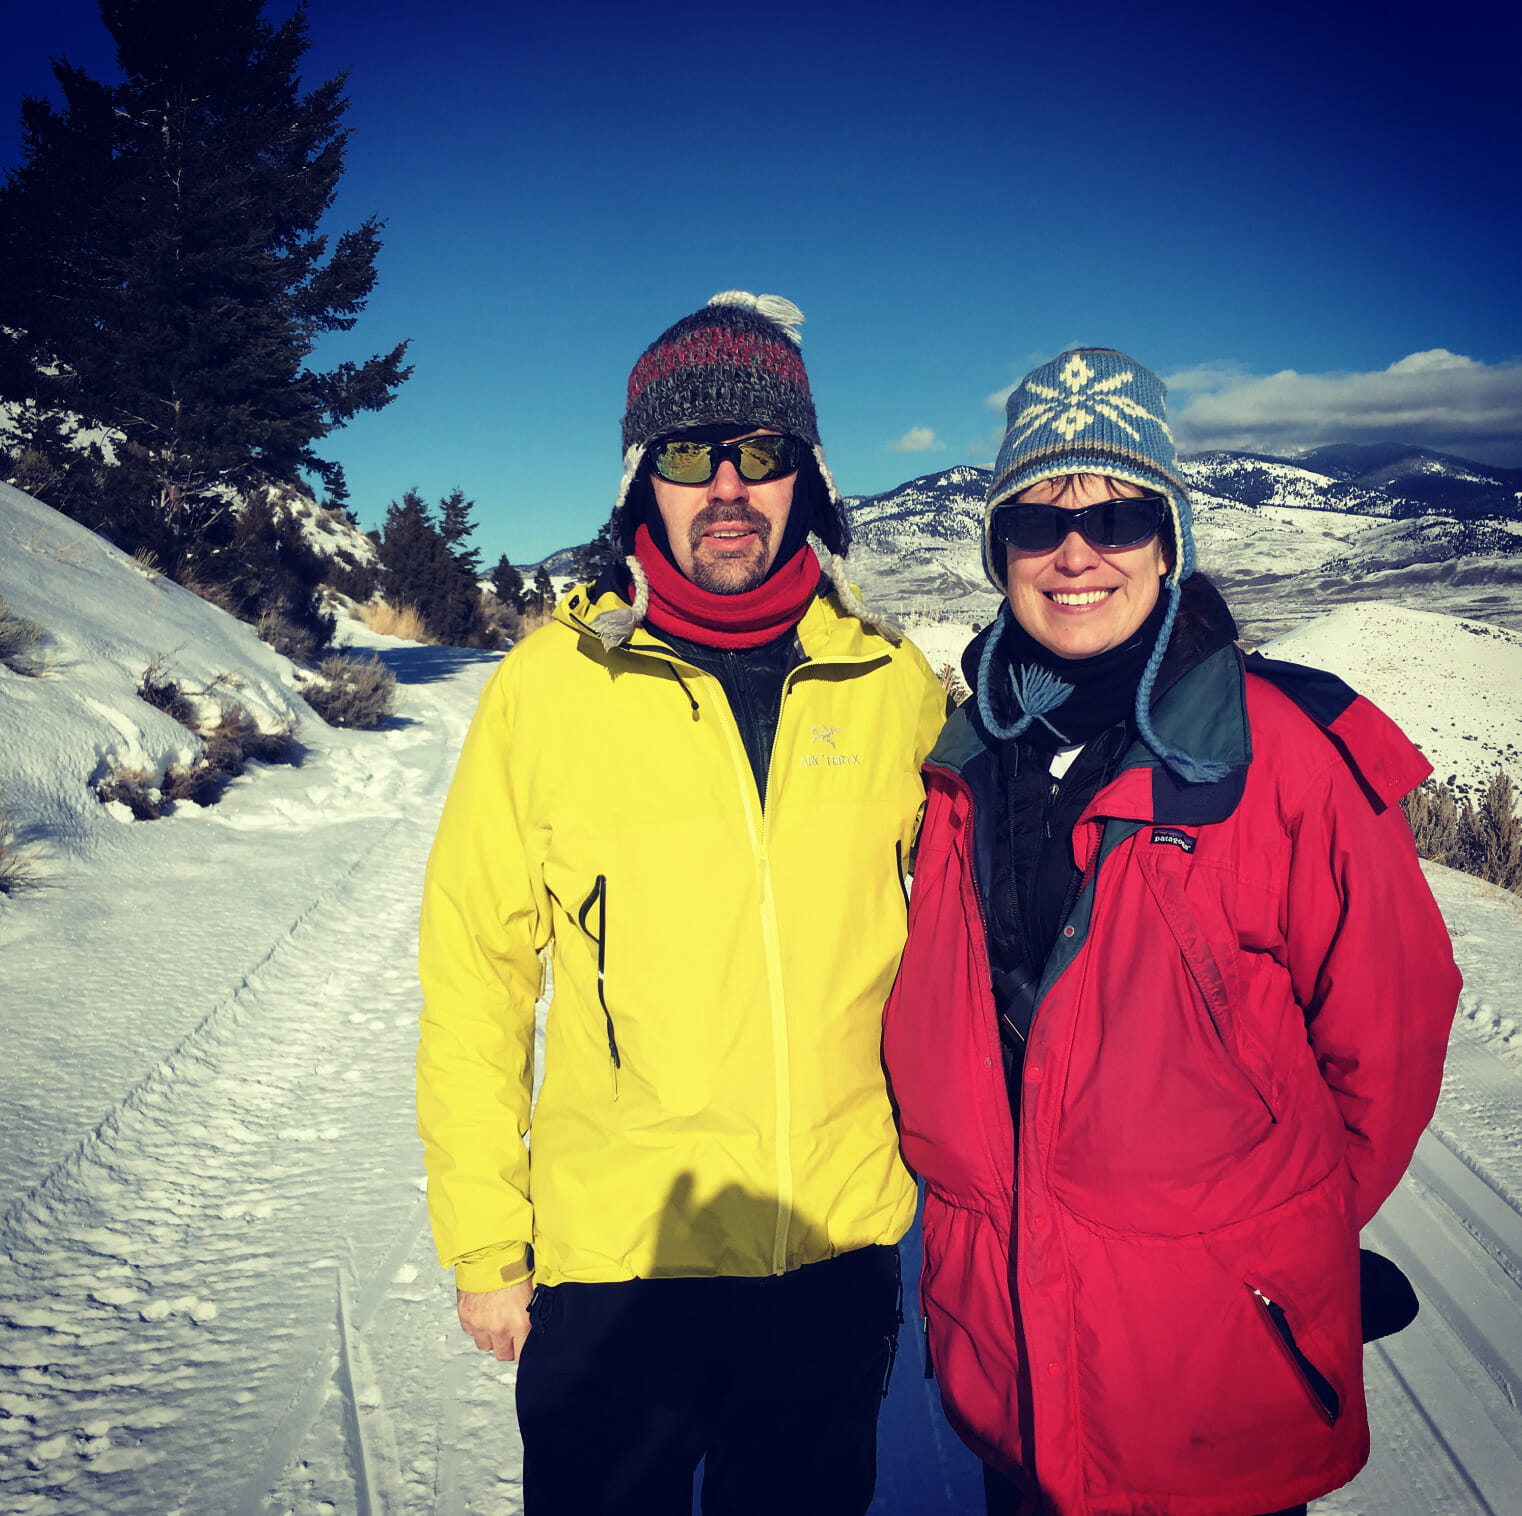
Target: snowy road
[[217, 1289]]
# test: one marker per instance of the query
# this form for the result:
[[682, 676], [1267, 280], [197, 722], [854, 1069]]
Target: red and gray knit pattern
[[727, 362]]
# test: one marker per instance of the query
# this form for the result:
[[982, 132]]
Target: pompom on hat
[[1091, 410], [736, 360]]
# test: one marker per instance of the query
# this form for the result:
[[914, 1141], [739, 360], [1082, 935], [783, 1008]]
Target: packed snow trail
[[177, 1291], [217, 1289]]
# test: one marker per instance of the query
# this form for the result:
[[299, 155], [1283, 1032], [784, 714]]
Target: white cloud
[[996, 401], [1437, 399], [918, 439]]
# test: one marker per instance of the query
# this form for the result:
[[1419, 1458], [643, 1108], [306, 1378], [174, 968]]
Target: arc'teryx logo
[[826, 736]]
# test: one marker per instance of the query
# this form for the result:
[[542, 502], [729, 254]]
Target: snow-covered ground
[[217, 1289]]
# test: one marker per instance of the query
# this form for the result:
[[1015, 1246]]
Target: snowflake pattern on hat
[[1082, 398]]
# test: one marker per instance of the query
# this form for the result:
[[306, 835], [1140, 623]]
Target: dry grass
[[394, 621], [19, 640], [1484, 840], [352, 692], [18, 873], [146, 562], [209, 590]]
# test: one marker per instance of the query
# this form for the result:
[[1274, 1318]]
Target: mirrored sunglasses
[[684, 461], [1127, 522]]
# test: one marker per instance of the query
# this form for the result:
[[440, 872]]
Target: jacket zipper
[[770, 935], [1326, 1399], [599, 898]]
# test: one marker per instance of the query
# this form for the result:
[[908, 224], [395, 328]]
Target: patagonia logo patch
[[1173, 837]]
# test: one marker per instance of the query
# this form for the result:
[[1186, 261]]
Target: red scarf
[[748, 619]]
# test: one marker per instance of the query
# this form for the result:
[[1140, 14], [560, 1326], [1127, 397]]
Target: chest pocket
[[1197, 920]]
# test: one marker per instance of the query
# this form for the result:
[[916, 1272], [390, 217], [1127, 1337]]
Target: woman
[[1173, 1007]]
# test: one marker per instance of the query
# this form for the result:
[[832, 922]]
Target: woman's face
[[1078, 600]]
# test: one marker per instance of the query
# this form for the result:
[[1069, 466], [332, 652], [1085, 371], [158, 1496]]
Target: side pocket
[[541, 1306], [1326, 1399], [599, 898]]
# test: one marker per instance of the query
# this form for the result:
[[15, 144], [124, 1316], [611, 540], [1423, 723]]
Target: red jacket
[[1153, 1306]]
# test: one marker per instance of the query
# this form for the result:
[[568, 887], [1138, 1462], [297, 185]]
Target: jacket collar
[[1205, 711], [826, 631]]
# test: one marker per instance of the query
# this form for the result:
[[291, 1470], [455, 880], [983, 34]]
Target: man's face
[[725, 534]]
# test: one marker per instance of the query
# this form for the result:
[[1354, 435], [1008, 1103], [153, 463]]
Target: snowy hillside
[[105, 621], [218, 1292]]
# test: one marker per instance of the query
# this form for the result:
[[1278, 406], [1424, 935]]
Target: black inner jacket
[[752, 679], [1035, 881]]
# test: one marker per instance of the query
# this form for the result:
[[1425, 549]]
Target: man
[[697, 787]]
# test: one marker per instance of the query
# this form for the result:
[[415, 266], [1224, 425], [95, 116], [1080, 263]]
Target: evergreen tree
[[543, 593], [507, 584], [422, 571], [161, 268], [455, 526], [598, 555]]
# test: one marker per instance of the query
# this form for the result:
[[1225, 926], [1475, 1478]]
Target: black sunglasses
[[683, 461], [1127, 522]]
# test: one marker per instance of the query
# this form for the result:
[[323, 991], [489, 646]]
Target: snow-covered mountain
[[1284, 537]]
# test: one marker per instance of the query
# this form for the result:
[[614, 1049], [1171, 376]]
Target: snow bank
[[1453, 684]]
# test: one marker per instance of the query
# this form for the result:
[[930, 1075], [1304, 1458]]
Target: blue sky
[[1310, 226]]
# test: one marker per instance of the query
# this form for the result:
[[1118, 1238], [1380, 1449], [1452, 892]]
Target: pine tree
[[455, 526], [543, 593], [161, 268], [598, 555], [421, 570], [507, 583]]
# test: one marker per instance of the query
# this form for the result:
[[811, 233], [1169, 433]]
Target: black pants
[[1001, 1498], [777, 1382]]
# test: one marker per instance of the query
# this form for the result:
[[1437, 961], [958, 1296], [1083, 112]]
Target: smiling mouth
[[1078, 599]]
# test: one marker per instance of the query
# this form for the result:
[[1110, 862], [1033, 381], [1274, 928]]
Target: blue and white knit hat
[[1089, 411]]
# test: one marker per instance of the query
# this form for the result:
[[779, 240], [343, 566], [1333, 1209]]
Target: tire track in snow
[[1456, 1373], [161, 1290]]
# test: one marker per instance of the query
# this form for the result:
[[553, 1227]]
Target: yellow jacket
[[713, 1098]]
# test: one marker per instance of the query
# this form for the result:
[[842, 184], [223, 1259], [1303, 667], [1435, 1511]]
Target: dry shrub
[[18, 643], [951, 682], [229, 743], [394, 621], [532, 620], [352, 692], [165, 695], [1485, 841], [136, 789], [288, 638], [17, 871]]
